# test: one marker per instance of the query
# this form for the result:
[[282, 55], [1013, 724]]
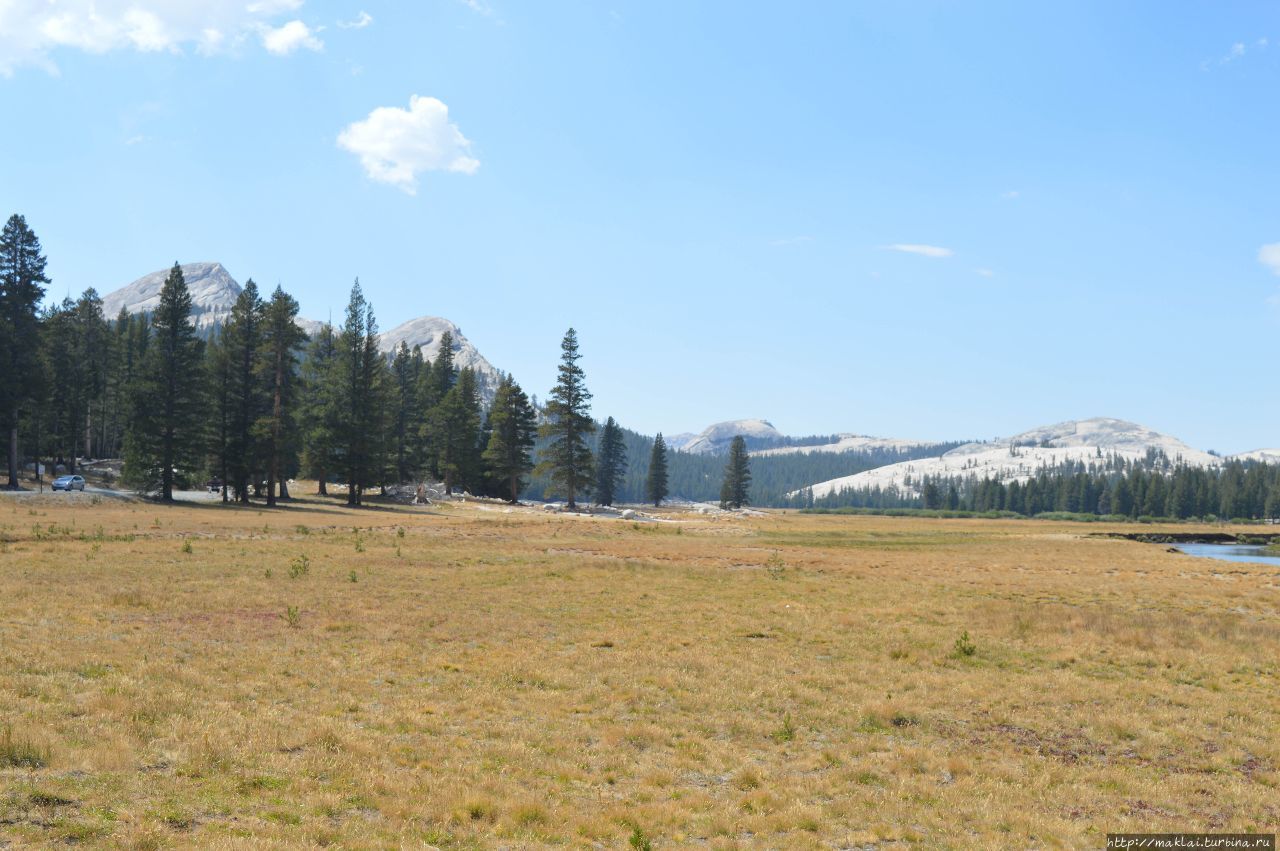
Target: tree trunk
[[88, 431], [284, 489], [39, 477], [273, 463], [323, 488], [13, 454]]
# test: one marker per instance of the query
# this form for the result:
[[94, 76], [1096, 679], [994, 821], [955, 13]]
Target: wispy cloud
[[358, 24], [1011, 195], [984, 272], [1269, 256], [479, 7], [1236, 52], [396, 145], [935, 251]]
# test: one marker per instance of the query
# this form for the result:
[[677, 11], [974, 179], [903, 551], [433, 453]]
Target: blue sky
[[931, 220]]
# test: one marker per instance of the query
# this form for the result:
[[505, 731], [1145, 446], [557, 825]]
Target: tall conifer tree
[[320, 408], [513, 426], [360, 395], [281, 338], [166, 433], [22, 272], [568, 458], [735, 491], [455, 427], [655, 482], [611, 463], [218, 367], [242, 338], [404, 370]]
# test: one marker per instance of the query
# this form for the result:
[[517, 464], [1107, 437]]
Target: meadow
[[463, 677]]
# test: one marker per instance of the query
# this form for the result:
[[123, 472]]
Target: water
[[1230, 552]]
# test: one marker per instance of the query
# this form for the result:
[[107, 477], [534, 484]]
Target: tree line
[[254, 402], [1130, 489]]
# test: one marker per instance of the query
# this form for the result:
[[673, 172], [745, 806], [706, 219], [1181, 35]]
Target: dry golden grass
[[225, 677]]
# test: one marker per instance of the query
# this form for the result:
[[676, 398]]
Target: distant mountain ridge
[[717, 437], [214, 293], [763, 439], [1025, 455]]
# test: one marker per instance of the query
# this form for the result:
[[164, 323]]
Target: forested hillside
[[1152, 487], [698, 476]]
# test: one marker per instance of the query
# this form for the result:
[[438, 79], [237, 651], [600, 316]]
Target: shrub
[[776, 567], [964, 646], [786, 732], [299, 567]]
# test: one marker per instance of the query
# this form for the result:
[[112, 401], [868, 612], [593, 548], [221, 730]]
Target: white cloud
[[1269, 256], [936, 251], [286, 39], [32, 31], [396, 145], [358, 24], [1011, 195], [985, 272]]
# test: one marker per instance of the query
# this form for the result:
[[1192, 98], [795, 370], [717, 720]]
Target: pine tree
[[735, 491], [281, 338], [404, 369], [166, 433], [320, 408], [443, 371], [425, 401], [513, 426], [455, 426], [22, 271], [360, 394], [218, 368], [568, 458], [611, 463], [58, 335], [655, 483], [93, 354], [242, 338]]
